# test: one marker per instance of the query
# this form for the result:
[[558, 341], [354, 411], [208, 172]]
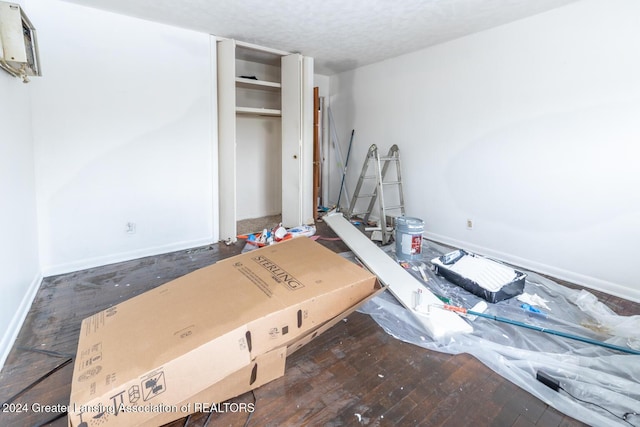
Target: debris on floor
[[596, 384], [275, 235]]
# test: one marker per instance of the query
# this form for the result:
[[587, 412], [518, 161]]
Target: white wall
[[19, 243], [530, 129], [123, 130], [259, 154]]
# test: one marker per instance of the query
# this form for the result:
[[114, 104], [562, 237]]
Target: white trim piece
[[570, 276], [53, 270], [10, 335], [438, 323]]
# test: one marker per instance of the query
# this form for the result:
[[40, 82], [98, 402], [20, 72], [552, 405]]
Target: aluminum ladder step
[[380, 165]]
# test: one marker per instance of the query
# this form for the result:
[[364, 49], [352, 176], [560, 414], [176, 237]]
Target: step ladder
[[377, 192]]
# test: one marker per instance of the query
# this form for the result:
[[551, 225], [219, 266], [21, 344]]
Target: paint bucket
[[409, 238]]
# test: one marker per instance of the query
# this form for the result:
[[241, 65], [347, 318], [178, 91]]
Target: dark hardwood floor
[[354, 374]]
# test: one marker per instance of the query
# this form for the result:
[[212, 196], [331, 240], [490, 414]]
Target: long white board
[[437, 323]]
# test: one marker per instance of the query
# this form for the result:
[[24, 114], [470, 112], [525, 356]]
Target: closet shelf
[[257, 84], [258, 111]]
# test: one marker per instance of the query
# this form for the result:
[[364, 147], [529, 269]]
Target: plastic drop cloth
[[589, 372]]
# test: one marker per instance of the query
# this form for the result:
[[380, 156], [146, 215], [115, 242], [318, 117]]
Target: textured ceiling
[[339, 34]]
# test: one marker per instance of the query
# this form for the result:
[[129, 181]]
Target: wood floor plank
[[353, 374]]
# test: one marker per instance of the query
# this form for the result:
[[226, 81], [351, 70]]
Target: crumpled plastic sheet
[[589, 372]]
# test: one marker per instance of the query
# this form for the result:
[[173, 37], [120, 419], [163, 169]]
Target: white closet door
[[297, 140], [292, 119], [227, 138]]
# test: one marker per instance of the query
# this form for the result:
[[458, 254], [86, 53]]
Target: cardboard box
[[310, 336], [263, 369], [139, 361]]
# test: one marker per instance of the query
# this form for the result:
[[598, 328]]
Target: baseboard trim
[[560, 273], [53, 270], [10, 335]]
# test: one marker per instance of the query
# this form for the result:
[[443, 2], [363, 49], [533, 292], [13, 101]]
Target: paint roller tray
[[481, 276]]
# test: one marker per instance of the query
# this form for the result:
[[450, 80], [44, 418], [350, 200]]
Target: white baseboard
[[52, 270], [560, 273], [20, 315]]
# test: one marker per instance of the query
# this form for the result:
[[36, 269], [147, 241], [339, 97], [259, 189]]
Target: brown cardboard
[[140, 359], [310, 336], [263, 369]]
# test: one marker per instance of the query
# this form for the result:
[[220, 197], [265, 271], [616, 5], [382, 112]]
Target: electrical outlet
[[469, 224], [130, 228]]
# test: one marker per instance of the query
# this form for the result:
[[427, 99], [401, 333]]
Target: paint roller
[[471, 314], [474, 311]]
